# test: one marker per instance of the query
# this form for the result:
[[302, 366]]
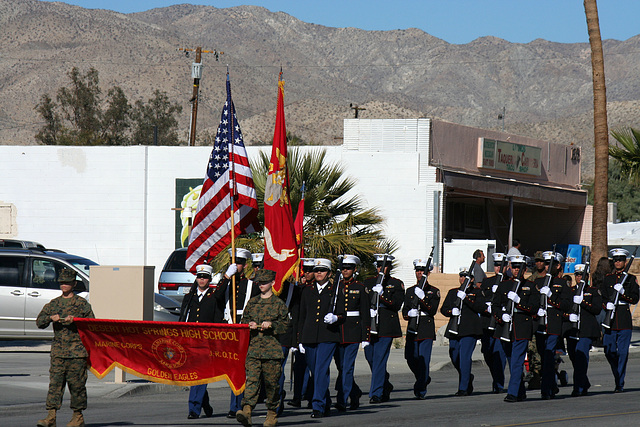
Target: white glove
[[294, 349], [330, 318], [513, 297], [413, 312], [455, 311], [545, 291], [577, 299], [419, 293], [372, 312], [506, 318], [494, 288], [488, 307], [378, 289], [233, 269], [364, 344], [573, 318], [610, 306], [461, 294], [542, 312], [301, 348], [618, 287]]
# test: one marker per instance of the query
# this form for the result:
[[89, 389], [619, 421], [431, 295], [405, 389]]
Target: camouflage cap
[[67, 275], [264, 276], [538, 256]]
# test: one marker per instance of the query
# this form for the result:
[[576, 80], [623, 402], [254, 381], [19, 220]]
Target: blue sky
[[455, 21]]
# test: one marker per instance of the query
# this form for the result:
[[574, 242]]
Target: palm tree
[[335, 222], [601, 134], [628, 155]]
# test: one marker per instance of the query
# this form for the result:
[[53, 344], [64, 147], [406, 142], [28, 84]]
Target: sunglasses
[[320, 270], [203, 276], [349, 267]]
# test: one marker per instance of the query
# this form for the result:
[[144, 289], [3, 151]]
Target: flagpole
[[232, 188]]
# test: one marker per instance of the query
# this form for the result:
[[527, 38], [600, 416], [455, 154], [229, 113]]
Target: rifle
[[412, 326], [454, 321], [611, 313], [498, 279], [506, 328], [336, 283], [542, 321], [376, 297], [575, 308]]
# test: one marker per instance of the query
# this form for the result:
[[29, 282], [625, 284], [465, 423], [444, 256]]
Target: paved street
[[24, 379]]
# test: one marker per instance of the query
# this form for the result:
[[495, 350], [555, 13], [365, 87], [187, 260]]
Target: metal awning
[[491, 187]]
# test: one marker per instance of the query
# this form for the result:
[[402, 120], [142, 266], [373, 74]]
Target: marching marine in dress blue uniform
[[518, 323], [319, 333], [353, 296], [376, 351], [419, 343], [616, 299], [579, 339]]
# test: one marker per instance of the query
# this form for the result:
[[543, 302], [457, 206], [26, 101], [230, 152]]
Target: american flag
[[228, 173]]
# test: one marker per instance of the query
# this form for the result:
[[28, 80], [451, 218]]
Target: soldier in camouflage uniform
[[68, 355], [267, 317]]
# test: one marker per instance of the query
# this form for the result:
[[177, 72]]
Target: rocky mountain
[[545, 87]]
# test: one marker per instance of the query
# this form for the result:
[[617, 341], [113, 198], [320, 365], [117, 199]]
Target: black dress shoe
[[192, 416], [470, 388], [545, 397], [575, 393], [317, 414], [420, 397], [231, 414], [461, 393], [510, 398], [340, 407], [208, 411], [585, 393], [355, 403], [375, 400], [618, 390], [498, 390], [296, 403]]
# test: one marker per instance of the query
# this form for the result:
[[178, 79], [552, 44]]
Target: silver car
[[175, 281], [29, 280]]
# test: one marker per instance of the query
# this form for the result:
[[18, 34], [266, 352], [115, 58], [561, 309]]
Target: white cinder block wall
[[113, 204]]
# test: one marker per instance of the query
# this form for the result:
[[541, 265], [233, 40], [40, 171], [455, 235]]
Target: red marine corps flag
[[228, 178], [280, 248]]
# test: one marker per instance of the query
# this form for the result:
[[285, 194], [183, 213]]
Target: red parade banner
[[167, 352]]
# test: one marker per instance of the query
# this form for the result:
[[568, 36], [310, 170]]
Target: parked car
[[29, 280], [175, 281], [165, 309], [20, 244]]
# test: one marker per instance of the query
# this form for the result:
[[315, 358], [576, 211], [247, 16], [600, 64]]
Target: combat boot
[[244, 416], [50, 421], [77, 420], [272, 419]]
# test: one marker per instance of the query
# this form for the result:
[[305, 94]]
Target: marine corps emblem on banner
[[169, 353]]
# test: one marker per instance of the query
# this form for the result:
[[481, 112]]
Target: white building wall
[[114, 204]]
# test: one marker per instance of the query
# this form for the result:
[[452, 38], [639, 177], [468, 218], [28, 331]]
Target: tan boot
[[244, 416], [50, 421], [77, 420], [272, 419]]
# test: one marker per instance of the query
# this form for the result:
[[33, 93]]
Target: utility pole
[[356, 109], [196, 73]]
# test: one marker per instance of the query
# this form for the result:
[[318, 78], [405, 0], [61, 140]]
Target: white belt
[[422, 313], [239, 311], [353, 313], [623, 303]]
